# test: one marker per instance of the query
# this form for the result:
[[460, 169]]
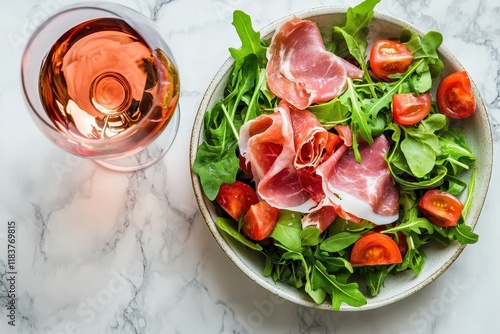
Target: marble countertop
[[107, 252]]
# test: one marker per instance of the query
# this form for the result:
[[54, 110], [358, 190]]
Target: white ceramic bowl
[[478, 133]]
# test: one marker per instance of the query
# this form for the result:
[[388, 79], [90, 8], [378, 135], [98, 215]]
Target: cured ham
[[283, 150], [298, 165], [266, 143], [366, 189], [300, 70], [321, 218], [313, 144]]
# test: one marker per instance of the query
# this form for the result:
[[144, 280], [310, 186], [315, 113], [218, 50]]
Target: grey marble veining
[[106, 252]]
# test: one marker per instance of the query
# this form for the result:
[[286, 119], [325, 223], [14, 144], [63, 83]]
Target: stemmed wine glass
[[101, 83]]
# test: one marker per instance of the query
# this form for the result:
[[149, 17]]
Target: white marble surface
[[105, 252]]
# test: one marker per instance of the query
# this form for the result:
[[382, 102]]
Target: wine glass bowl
[[100, 82]]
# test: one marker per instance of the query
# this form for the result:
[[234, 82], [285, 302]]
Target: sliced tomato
[[375, 248], [408, 109], [236, 198], [389, 57], [399, 238], [260, 221], [440, 207], [454, 96]]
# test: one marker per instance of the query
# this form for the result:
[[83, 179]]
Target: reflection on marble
[[105, 252]]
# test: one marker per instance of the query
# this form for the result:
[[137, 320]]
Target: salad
[[399, 95]]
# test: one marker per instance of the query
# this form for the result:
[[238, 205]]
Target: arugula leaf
[[359, 17], [250, 39], [331, 113], [341, 225], [333, 264], [288, 230], [340, 241], [318, 294], [453, 185], [227, 225], [359, 118], [424, 48], [378, 103], [413, 223], [339, 292], [215, 167], [421, 145], [414, 258], [310, 236], [455, 153], [353, 34], [375, 278], [464, 234], [470, 194]]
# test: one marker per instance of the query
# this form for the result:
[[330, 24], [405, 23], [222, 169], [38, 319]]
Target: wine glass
[[101, 83]]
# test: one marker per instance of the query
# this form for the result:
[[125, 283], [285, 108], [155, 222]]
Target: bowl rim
[[259, 278]]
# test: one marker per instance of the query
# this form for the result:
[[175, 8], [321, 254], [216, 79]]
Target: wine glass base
[[151, 154]]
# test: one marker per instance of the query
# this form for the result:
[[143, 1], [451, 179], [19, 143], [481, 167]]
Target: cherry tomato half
[[236, 198], [454, 96], [375, 248], [389, 57], [399, 238], [260, 221], [440, 207], [408, 109]]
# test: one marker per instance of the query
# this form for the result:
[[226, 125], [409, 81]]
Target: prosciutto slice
[[366, 189], [321, 218], [267, 144], [300, 70], [298, 165], [313, 144]]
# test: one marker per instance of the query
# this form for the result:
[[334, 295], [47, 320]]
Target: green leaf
[[342, 225], [423, 162], [359, 118], [412, 223], [318, 295], [268, 268], [250, 39], [214, 167], [227, 226], [380, 102], [359, 17], [339, 241], [421, 80], [352, 36], [414, 259], [453, 185], [425, 48], [375, 278], [310, 236], [434, 180], [420, 145], [291, 255], [287, 230], [330, 113], [339, 292], [333, 264], [464, 234], [455, 153]]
